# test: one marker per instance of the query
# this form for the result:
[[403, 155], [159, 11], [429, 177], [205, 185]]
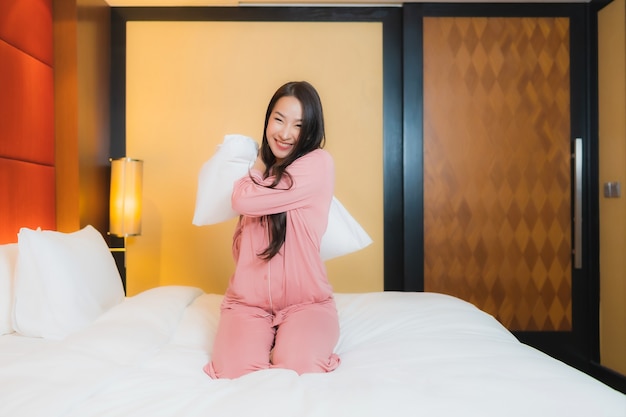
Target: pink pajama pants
[[300, 337]]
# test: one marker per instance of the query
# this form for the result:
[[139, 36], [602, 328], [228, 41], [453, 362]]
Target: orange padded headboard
[[27, 186]]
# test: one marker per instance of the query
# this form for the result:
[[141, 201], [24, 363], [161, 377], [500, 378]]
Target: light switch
[[612, 189]]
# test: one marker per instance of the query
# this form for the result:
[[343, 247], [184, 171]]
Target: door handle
[[578, 203]]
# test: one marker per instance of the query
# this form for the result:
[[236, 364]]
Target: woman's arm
[[313, 177]]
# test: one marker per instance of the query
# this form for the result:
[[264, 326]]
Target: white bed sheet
[[403, 354]]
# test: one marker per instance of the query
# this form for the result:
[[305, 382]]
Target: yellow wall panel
[[190, 83], [612, 167]]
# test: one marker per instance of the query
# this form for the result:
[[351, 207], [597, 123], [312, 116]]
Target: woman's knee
[[305, 361], [231, 368], [306, 339], [242, 344]]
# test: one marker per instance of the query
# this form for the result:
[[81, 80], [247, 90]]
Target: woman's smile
[[283, 145]]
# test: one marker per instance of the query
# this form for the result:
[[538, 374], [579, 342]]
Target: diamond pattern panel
[[497, 213]]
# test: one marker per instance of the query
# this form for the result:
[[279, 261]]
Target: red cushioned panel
[[27, 198], [27, 25], [26, 107]]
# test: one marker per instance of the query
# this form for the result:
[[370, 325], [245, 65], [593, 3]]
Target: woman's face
[[283, 126]]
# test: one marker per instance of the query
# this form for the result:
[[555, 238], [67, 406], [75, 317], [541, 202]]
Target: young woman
[[278, 310]]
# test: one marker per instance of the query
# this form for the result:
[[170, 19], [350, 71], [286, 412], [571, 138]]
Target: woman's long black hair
[[312, 137]]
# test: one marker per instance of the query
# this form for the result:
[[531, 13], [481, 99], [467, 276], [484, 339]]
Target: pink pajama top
[[296, 274]]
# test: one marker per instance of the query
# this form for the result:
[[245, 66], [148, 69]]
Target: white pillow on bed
[[231, 162], [8, 259], [63, 282]]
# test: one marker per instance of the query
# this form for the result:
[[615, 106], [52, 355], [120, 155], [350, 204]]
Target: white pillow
[[217, 176], [343, 234], [8, 259], [63, 282], [232, 160]]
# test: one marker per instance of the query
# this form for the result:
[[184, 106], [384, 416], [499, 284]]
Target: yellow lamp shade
[[125, 200]]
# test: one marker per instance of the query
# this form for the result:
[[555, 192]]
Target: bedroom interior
[[87, 82]]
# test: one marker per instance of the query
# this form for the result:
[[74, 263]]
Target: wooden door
[[497, 164]]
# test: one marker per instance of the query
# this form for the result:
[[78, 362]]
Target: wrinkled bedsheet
[[403, 354]]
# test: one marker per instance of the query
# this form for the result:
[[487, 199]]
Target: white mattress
[[403, 354]]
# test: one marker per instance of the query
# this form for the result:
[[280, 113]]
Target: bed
[[403, 354]]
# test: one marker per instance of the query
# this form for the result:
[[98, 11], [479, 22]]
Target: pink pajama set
[[280, 313]]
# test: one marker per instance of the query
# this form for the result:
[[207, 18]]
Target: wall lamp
[[126, 195]]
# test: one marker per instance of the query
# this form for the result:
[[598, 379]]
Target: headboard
[[27, 173]]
